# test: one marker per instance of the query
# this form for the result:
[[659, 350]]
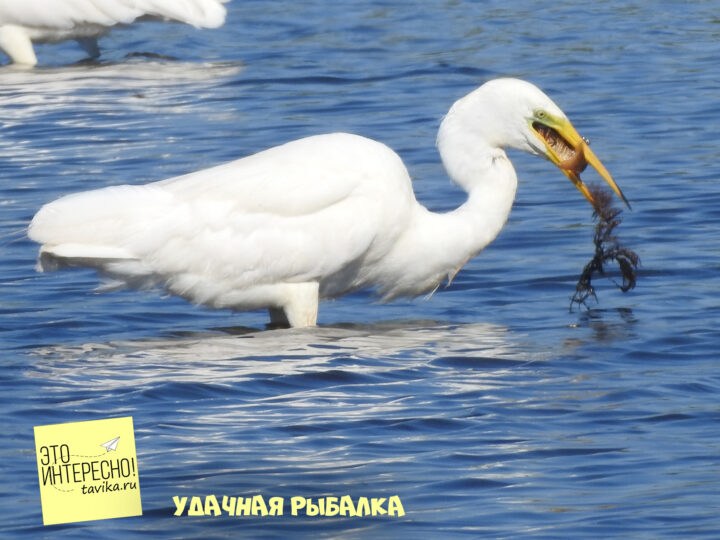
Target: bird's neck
[[475, 162], [442, 243], [484, 171]]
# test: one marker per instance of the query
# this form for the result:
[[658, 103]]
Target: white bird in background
[[315, 218], [23, 22]]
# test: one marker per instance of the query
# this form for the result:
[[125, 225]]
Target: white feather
[[25, 21], [232, 227], [314, 218]]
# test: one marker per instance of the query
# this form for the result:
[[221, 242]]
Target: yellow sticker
[[88, 470]]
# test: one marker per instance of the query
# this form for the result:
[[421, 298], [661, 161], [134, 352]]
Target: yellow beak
[[571, 154]]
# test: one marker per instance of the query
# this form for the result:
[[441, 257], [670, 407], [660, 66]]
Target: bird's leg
[[300, 304], [278, 318], [17, 45], [90, 46]]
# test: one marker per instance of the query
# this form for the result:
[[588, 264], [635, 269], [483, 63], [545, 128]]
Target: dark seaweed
[[607, 249]]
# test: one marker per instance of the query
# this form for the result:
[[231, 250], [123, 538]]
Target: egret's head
[[569, 151], [523, 117]]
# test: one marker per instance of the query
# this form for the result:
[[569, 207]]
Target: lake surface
[[489, 409]]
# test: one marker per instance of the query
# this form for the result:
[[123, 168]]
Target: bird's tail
[[198, 13], [106, 229]]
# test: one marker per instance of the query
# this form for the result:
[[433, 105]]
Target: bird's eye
[[540, 114]]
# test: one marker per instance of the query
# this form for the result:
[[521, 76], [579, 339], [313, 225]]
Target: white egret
[[23, 22], [317, 217]]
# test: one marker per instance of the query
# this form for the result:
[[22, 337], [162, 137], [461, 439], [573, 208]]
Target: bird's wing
[[67, 14], [296, 212]]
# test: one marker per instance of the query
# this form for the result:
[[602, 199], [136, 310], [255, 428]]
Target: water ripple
[[490, 409]]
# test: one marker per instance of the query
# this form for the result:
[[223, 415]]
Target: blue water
[[489, 409]]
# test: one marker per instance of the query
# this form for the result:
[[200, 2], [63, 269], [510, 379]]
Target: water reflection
[[99, 87], [608, 325], [209, 357], [127, 74]]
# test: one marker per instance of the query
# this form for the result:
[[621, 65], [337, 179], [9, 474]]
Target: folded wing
[[305, 211]]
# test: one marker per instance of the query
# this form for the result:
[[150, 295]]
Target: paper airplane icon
[[111, 445]]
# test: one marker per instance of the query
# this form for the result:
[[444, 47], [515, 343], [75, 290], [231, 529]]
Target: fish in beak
[[570, 152]]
